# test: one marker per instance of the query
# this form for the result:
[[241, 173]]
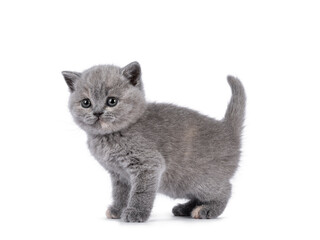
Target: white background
[[51, 188]]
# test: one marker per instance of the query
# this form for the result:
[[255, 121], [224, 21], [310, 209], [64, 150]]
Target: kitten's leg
[[142, 195], [120, 193], [184, 209]]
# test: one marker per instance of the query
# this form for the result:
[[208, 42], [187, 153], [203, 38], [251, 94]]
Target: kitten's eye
[[112, 101], [85, 103]]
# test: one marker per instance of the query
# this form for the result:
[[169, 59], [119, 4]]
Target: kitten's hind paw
[[196, 212], [181, 211], [209, 210], [185, 209], [203, 212], [113, 213], [134, 215]]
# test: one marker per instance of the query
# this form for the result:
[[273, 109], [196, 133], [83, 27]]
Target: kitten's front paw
[[113, 213], [134, 215]]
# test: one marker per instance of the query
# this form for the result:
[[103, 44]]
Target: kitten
[[149, 148]]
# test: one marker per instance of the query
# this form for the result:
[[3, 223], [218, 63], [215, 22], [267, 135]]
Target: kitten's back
[[177, 130], [187, 138]]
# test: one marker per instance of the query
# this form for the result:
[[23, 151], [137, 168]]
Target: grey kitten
[[149, 148]]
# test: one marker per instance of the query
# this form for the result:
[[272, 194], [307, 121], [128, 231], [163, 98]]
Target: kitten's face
[[106, 99]]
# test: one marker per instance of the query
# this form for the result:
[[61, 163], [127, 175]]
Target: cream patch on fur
[[103, 124], [195, 212]]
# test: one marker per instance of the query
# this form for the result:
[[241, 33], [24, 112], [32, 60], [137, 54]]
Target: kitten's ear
[[70, 78], [132, 72]]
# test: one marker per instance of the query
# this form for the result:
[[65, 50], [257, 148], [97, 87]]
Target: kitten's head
[[106, 98]]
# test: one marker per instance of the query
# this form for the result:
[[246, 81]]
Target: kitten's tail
[[234, 116]]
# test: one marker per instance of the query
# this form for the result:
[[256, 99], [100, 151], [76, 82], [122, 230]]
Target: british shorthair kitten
[[149, 148]]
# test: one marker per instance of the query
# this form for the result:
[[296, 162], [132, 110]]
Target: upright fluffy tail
[[234, 116]]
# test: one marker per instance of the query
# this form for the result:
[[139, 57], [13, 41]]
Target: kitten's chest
[[110, 151]]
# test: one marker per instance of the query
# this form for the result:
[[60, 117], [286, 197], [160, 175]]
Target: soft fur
[[149, 148]]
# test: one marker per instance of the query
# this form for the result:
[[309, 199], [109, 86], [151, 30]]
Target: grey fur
[[149, 148]]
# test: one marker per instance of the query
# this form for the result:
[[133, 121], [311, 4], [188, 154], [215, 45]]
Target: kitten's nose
[[97, 114]]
